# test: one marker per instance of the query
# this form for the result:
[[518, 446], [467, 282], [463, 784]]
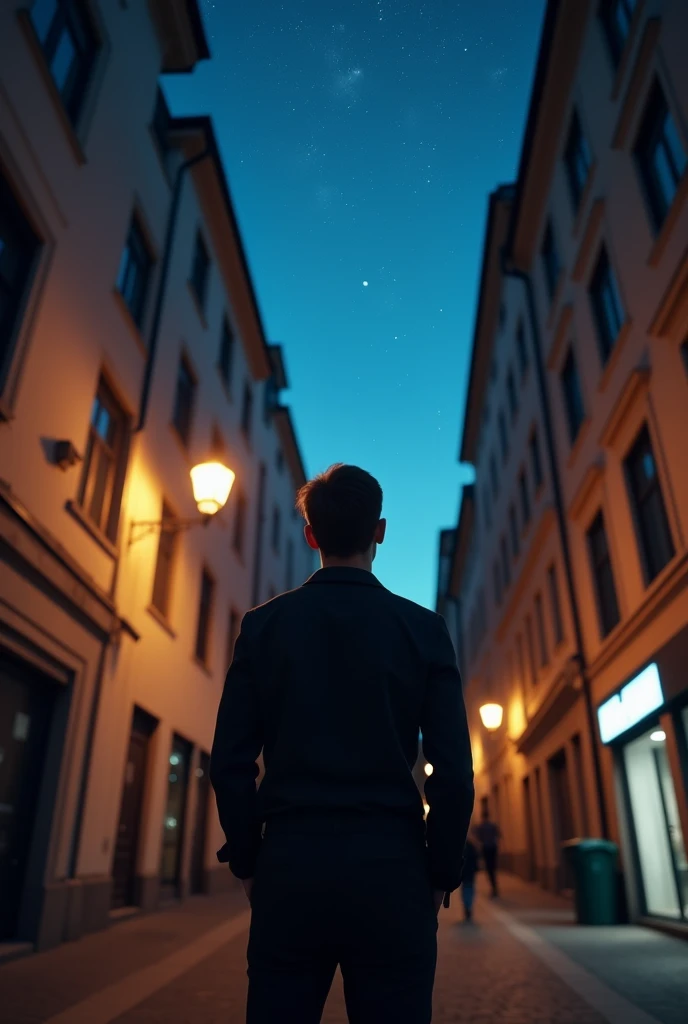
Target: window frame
[[247, 411], [166, 555], [239, 527], [541, 627], [203, 657], [107, 521], [615, 43], [551, 263], [575, 147], [137, 231], [649, 138], [76, 18], [646, 533], [608, 619], [574, 410], [226, 354], [184, 435], [603, 276], [535, 456], [524, 497], [555, 604]]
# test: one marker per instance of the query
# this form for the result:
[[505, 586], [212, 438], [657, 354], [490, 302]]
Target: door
[[26, 700], [175, 813], [126, 844], [563, 825], [200, 825]]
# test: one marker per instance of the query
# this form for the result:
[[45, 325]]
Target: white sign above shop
[[635, 701]]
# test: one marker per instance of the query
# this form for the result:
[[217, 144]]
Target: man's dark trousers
[[334, 891]]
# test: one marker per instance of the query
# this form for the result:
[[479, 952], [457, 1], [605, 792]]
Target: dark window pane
[[573, 396], [556, 606], [19, 247], [577, 159], [247, 411], [616, 17], [606, 304], [524, 496], [506, 568], [535, 460], [660, 155], [226, 356], [134, 272], [513, 531], [184, 401], [521, 348], [70, 46], [494, 478], [163, 566], [503, 436], [652, 525], [542, 631], [101, 482], [43, 14], [205, 607], [512, 396], [200, 271], [603, 577], [550, 261]]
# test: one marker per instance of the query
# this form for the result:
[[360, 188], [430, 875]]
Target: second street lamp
[[211, 483]]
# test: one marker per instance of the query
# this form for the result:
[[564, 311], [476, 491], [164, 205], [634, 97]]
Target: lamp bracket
[[142, 527]]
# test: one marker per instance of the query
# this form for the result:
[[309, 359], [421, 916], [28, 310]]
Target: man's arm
[[233, 768], [447, 746]]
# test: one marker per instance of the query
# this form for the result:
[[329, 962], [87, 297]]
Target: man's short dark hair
[[343, 507]]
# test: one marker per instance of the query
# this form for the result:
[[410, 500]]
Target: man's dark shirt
[[333, 682]]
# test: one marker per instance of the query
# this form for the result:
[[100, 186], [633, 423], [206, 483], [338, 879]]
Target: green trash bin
[[594, 869]]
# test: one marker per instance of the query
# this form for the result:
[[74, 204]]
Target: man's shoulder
[[417, 613]]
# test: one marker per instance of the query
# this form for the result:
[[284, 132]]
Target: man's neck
[[347, 563]]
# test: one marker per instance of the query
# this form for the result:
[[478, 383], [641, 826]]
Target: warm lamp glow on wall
[[491, 716], [211, 483]]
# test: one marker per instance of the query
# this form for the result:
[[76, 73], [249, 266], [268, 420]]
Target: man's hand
[[438, 896], [248, 886]]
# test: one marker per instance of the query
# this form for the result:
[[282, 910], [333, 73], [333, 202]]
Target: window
[[225, 358], [279, 460], [550, 260], [506, 568], [535, 460], [247, 411], [167, 546], [530, 645], [486, 506], [524, 496], [232, 634], [577, 159], [239, 523], [19, 248], [200, 271], [541, 630], [573, 396], [205, 611], [521, 349], [660, 155], [135, 272], [616, 17], [69, 44], [276, 529], [494, 479], [290, 565], [103, 472], [603, 576], [497, 581], [606, 303], [503, 437], [184, 397], [511, 394], [513, 530], [270, 399], [556, 606], [651, 521]]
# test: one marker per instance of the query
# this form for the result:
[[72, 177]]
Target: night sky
[[360, 141]]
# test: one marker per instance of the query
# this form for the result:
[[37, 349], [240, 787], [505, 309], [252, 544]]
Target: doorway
[[26, 705], [127, 841], [563, 824], [198, 880], [175, 813], [531, 874], [656, 825]]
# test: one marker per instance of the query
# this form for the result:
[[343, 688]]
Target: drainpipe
[[510, 271], [258, 555], [162, 285]]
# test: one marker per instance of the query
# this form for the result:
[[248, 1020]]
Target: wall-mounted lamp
[[491, 716], [211, 483]]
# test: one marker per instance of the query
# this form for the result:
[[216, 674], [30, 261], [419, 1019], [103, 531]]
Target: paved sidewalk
[[521, 962]]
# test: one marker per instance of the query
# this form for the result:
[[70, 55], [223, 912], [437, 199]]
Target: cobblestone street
[[521, 962]]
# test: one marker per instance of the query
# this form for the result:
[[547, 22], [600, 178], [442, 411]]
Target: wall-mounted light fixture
[[211, 483], [491, 716]]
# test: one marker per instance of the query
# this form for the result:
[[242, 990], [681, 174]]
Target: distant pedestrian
[[470, 868], [488, 835]]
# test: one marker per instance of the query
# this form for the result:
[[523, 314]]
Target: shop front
[[646, 724]]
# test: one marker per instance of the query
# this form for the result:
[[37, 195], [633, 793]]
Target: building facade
[[131, 349], [571, 563]]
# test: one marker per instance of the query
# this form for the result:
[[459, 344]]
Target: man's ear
[[310, 537], [380, 531]]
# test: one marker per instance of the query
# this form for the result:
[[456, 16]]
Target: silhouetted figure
[[488, 835], [470, 869], [333, 681]]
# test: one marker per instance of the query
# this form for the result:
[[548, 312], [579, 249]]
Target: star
[[365, 284]]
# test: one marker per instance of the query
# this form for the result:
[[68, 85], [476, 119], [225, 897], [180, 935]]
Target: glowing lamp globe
[[211, 482], [491, 716], [428, 769]]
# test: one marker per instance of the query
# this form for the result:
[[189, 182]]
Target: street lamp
[[491, 716], [211, 483]]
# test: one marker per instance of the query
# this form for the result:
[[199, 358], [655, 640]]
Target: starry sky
[[361, 140]]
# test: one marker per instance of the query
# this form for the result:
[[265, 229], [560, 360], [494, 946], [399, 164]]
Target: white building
[[131, 348]]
